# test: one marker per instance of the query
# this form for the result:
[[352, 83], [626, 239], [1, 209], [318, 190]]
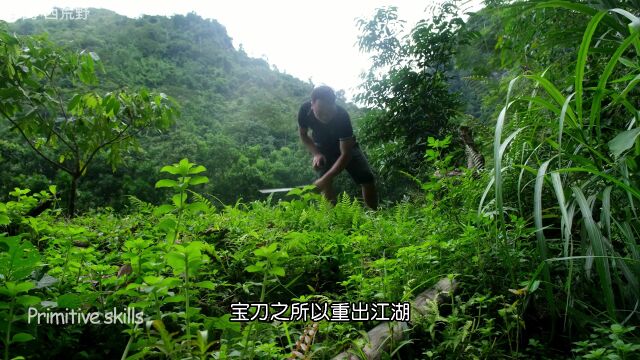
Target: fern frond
[[139, 205], [201, 199]]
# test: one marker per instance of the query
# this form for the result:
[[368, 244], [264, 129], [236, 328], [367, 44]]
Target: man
[[334, 146]]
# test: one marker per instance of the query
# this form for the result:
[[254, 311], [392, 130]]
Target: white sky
[[308, 39]]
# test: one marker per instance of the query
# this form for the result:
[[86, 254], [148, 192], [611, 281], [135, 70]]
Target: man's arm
[[346, 146], [318, 158], [306, 140]]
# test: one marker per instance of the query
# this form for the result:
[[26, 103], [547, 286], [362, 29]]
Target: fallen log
[[380, 338]]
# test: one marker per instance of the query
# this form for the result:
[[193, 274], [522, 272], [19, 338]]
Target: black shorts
[[358, 166]]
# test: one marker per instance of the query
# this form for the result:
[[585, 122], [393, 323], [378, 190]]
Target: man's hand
[[318, 160], [322, 183]]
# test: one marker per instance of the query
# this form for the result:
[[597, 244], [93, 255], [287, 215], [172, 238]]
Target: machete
[[269, 191]]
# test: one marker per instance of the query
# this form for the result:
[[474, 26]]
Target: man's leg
[[370, 195], [361, 173]]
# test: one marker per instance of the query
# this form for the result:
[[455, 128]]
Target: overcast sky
[[308, 39]]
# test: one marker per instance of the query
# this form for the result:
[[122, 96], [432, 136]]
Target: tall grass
[[583, 141]]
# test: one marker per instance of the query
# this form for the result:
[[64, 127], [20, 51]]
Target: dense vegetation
[[543, 243], [237, 114]]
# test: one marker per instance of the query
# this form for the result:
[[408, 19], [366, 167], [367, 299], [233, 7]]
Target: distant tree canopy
[[237, 114], [408, 86], [46, 100]]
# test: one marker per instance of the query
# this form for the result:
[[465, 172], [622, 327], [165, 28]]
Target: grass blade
[[541, 241], [606, 210], [633, 191], [598, 247], [485, 193], [553, 91], [585, 9], [563, 112], [566, 220], [582, 59], [596, 104]]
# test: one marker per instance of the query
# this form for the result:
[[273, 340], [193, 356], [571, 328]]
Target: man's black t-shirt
[[326, 136]]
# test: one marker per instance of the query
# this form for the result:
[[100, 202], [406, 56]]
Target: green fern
[[139, 205], [347, 211], [202, 199]]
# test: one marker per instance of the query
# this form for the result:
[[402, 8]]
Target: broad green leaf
[[266, 251], [163, 209], [71, 301], [197, 206], [170, 282], [183, 167], [167, 224], [21, 337], [176, 260], [174, 299], [151, 280], [170, 169], [223, 323], [277, 271], [623, 142], [197, 169], [140, 304], [198, 180], [534, 286], [166, 183], [20, 260], [73, 103], [255, 268], [28, 300], [179, 199]]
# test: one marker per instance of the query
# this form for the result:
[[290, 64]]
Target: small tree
[[407, 86], [48, 97]]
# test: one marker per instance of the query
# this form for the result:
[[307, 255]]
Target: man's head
[[323, 103]]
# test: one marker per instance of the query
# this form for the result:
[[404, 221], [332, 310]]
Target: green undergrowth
[[184, 263]]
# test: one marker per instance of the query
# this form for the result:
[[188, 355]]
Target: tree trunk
[[72, 195]]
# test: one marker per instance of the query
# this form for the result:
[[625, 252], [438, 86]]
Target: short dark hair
[[323, 92]]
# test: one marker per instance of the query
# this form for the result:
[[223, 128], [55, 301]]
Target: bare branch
[[51, 129], [58, 165], [95, 151]]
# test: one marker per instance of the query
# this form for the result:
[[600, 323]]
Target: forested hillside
[[505, 146], [238, 114]]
